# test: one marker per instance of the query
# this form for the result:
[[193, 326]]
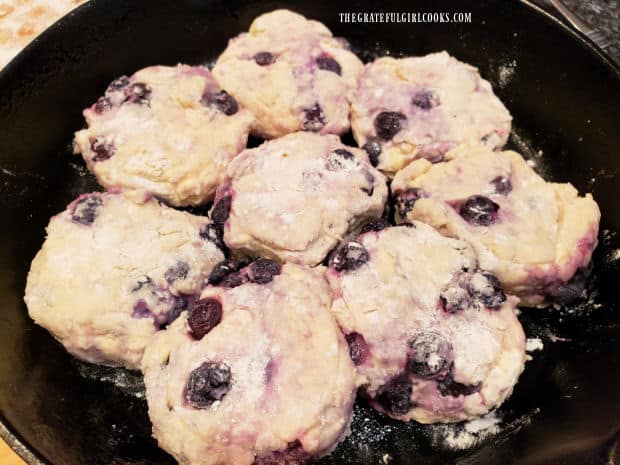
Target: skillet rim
[[18, 444]]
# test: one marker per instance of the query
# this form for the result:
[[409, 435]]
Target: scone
[[421, 107], [435, 337], [537, 237], [291, 73], [294, 198], [257, 372], [166, 131], [112, 272]]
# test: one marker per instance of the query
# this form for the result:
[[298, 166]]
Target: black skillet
[[565, 98]]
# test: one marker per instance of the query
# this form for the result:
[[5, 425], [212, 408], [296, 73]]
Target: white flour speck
[[506, 72], [533, 344]]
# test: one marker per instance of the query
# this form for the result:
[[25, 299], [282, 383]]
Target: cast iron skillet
[[565, 98]]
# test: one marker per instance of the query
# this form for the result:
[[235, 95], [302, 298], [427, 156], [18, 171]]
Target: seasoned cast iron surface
[[565, 101]]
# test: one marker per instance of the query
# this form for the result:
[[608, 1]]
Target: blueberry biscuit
[[256, 372], [435, 337], [167, 131], [291, 73], [422, 107], [113, 272], [295, 197], [536, 237]]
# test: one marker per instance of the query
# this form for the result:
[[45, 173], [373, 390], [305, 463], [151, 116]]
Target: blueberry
[[263, 270], [214, 233], [338, 159], [479, 210], [454, 299], [329, 64], [221, 100], [221, 210], [448, 387], [428, 354], [103, 104], [406, 200], [350, 257], [358, 348], [395, 396], [179, 271], [425, 99], [374, 225], [203, 316], [102, 149], [224, 269], [373, 149], [86, 210], [502, 185], [138, 93], [314, 118], [207, 384], [264, 58], [486, 288], [388, 123], [118, 84]]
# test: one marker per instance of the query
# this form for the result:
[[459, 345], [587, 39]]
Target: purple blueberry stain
[[314, 118], [101, 148], [138, 93], [395, 396], [358, 348], [373, 149], [389, 123], [428, 355], [86, 210], [207, 384], [264, 58], [222, 101], [502, 185], [479, 210], [203, 316], [406, 200], [425, 99], [179, 271], [486, 288], [294, 454], [329, 64], [263, 270], [350, 257], [221, 210], [141, 310]]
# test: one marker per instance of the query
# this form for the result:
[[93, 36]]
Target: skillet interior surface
[[565, 99]]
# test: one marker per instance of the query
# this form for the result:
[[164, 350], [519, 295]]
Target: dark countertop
[[602, 14]]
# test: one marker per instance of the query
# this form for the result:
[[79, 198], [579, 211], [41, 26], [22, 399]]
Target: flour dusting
[[128, 382], [533, 344], [466, 435]]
